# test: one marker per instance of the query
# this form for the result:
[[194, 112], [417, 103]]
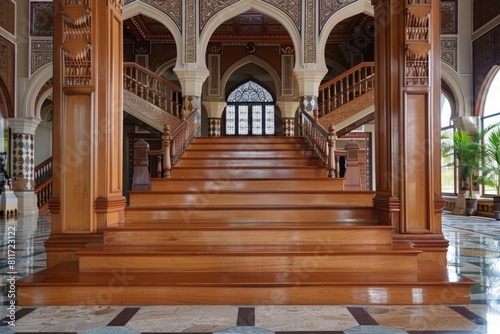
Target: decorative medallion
[[42, 19]]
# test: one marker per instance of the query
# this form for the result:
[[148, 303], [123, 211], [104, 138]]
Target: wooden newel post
[[167, 156], [140, 180], [331, 166], [353, 174]]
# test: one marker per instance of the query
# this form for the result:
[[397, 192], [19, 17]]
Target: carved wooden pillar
[[407, 68], [87, 150]]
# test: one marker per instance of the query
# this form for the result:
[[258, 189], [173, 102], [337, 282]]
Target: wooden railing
[[345, 87], [321, 141], [174, 145], [43, 184], [152, 88]]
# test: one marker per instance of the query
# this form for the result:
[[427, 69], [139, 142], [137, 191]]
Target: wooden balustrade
[[152, 88], [345, 87], [174, 145], [43, 183]]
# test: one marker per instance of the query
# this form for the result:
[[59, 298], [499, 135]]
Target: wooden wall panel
[[415, 164]]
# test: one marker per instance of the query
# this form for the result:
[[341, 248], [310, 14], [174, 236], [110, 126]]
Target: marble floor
[[474, 252]]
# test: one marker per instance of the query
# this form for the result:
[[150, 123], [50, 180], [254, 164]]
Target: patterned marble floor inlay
[[474, 252]]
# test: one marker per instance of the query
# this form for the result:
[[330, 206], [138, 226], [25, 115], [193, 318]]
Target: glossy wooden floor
[[247, 221]]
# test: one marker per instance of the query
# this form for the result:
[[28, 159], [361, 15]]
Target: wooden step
[[263, 214], [236, 198], [249, 147], [249, 258], [246, 185], [249, 140], [224, 173], [249, 161], [64, 285], [218, 233], [228, 153]]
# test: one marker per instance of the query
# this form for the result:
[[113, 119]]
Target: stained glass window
[[257, 119], [250, 111], [243, 120], [231, 120], [269, 120], [250, 92]]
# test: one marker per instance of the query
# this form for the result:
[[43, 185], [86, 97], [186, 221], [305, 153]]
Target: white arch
[[450, 76], [258, 61], [139, 7], [481, 100], [38, 79], [358, 7], [42, 98], [241, 7], [165, 66]]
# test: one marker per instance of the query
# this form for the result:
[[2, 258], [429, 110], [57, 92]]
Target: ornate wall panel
[[417, 43], [7, 65], [41, 53], [328, 7], [486, 54], [172, 8], [290, 7], [287, 74], [449, 51], [449, 17], [42, 19], [160, 54], [190, 37], [484, 11], [8, 15], [214, 76], [310, 32], [209, 8]]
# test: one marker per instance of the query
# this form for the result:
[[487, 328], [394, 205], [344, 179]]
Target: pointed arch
[[139, 7], [38, 80], [483, 91], [358, 7], [241, 7], [258, 61], [449, 75], [6, 107]]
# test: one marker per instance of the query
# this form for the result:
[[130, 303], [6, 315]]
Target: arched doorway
[[250, 111]]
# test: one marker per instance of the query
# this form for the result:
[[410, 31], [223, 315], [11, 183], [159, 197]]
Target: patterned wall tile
[[7, 66], [172, 8], [328, 7], [8, 15], [449, 17], [449, 47], [41, 53], [23, 162], [42, 19]]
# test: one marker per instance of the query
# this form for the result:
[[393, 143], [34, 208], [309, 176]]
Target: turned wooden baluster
[[331, 166], [167, 156]]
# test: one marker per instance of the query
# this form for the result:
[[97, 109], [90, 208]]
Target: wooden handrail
[[43, 183], [321, 141], [175, 144], [152, 88], [346, 87]]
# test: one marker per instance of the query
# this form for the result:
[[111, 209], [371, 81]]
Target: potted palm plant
[[491, 166], [467, 151]]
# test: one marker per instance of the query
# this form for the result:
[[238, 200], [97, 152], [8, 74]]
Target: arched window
[[491, 113], [448, 163], [250, 111]]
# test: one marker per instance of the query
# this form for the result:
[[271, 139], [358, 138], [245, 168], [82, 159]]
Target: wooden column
[[407, 67], [87, 150]]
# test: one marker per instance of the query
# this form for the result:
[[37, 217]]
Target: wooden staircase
[[246, 221]]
